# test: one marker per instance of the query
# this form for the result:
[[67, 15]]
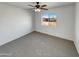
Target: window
[[49, 19]]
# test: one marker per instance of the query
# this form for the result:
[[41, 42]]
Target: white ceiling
[[24, 5]]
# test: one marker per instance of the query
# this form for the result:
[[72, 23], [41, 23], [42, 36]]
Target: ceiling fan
[[38, 7]]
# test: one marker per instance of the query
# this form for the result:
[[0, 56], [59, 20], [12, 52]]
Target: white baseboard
[[14, 38], [76, 47], [54, 35]]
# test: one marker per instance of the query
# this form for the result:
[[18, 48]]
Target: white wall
[[65, 22], [76, 41], [14, 23], [33, 20]]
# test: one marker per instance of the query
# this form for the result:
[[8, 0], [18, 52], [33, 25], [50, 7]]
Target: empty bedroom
[[39, 29]]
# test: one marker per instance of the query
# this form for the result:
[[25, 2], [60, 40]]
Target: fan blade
[[44, 8], [43, 5], [31, 5]]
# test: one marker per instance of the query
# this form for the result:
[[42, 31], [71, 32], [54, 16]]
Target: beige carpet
[[39, 45]]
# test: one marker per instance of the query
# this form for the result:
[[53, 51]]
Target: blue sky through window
[[49, 15]]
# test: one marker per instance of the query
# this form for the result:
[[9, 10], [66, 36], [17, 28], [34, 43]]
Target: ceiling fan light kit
[[37, 10]]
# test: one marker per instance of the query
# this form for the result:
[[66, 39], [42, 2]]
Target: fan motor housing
[[37, 6]]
